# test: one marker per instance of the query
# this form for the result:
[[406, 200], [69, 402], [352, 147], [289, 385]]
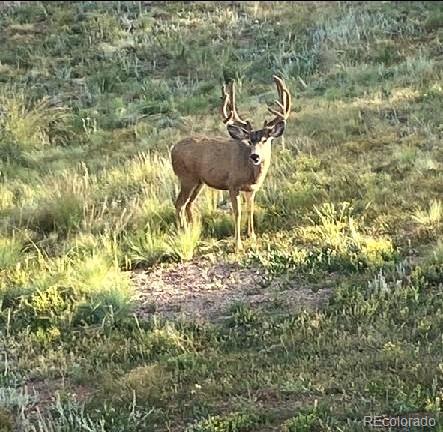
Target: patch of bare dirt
[[43, 394], [204, 290]]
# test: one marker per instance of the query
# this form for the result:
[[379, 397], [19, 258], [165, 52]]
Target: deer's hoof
[[253, 237], [238, 247]]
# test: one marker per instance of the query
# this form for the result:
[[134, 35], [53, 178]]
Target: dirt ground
[[204, 290]]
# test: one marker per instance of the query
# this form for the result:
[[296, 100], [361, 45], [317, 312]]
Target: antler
[[229, 110], [284, 104]]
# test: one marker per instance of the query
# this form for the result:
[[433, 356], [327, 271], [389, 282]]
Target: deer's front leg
[[250, 209], [236, 209]]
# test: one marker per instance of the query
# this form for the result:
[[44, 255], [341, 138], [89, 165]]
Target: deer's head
[[259, 140]]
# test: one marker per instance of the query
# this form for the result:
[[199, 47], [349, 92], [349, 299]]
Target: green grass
[[92, 97]]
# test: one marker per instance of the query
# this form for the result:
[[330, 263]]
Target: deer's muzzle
[[255, 158]]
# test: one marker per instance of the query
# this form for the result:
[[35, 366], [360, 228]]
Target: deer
[[238, 163]]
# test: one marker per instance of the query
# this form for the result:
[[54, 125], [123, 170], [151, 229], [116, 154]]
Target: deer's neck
[[257, 173], [254, 174]]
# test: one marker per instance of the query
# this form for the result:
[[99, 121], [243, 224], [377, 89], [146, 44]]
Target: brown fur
[[220, 163], [236, 164]]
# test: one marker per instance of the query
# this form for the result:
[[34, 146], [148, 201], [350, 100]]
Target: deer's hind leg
[[192, 198], [186, 190]]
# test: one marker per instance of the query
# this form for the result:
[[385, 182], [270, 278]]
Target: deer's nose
[[255, 158]]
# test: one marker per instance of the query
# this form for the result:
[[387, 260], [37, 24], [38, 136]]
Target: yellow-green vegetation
[[92, 97]]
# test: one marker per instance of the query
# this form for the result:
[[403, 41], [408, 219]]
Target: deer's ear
[[237, 132], [277, 130]]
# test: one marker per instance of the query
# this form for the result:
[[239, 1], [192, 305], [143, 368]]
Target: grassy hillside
[[92, 97]]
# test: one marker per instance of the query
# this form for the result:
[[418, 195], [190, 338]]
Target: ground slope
[[111, 320]]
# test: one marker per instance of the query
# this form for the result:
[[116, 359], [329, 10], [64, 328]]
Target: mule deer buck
[[238, 164]]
